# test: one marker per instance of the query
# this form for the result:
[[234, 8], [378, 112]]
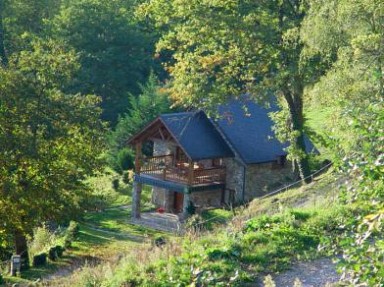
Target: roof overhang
[[148, 131]]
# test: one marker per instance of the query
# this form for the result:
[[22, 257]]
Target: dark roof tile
[[197, 135]]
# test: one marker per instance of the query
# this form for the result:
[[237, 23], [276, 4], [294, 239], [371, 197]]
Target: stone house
[[203, 162]]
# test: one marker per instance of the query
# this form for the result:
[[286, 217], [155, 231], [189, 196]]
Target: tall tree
[[151, 102], [21, 17], [354, 31], [3, 56], [115, 51], [50, 141], [227, 48]]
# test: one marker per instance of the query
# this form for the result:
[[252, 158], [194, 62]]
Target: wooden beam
[[138, 157], [190, 173], [161, 134]]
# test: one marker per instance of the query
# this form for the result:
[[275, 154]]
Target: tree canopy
[[50, 141], [223, 49]]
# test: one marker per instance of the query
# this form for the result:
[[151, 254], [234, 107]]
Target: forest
[[79, 77]]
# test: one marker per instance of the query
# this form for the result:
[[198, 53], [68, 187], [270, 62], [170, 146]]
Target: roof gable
[[197, 135], [243, 128]]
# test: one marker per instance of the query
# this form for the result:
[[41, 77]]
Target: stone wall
[[206, 198], [162, 197], [161, 147], [234, 180], [263, 178]]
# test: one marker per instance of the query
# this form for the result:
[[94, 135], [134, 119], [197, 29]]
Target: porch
[[181, 157], [168, 168]]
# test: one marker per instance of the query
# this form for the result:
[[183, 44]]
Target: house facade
[[199, 162]]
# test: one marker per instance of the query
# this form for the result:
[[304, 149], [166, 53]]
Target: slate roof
[[196, 135], [248, 129], [243, 127]]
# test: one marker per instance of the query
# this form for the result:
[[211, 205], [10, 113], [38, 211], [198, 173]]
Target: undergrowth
[[232, 256]]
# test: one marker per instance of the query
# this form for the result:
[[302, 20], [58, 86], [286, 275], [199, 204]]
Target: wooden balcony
[[166, 168]]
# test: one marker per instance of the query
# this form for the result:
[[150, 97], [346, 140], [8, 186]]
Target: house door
[[178, 202]]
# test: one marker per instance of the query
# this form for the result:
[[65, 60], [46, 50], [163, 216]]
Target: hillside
[[253, 238]]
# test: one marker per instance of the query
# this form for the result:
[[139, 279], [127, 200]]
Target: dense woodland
[[79, 77]]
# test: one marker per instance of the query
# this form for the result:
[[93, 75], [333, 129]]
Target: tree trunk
[[295, 105], [21, 248], [3, 56]]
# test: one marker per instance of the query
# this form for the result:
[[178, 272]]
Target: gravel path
[[317, 273]]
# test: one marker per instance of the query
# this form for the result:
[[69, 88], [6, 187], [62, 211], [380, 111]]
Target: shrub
[[42, 240], [55, 252], [39, 259], [194, 223], [159, 241], [52, 254], [71, 234], [191, 208], [115, 183], [126, 177], [59, 250]]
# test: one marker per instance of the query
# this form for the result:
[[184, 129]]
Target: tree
[[50, 141], [21, 17], [115, 51], [146, 107], [3, 56], [227, 48], [353, 30]]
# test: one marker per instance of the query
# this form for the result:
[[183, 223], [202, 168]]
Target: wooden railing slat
[[165, 168]]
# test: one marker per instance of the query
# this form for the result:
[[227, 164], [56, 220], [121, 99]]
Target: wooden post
[[190, 172], [138, 157], [136, 199]]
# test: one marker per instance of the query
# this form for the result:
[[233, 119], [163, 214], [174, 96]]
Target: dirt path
[[317, 273]]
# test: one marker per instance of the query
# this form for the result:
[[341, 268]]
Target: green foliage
[[266, 243], [116, 183], [71, 233], [39, 259], [114, 49], [23, 17], [224, 49], [50, 140], [42, 240], [146, 107], [355, 86], [52, 254]]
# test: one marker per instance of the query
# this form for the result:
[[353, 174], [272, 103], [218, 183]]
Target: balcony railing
[[166, 168]]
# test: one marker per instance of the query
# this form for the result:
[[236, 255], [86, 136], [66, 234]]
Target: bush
[[59, 250], [194, 223], [115, 184], [126, 177], [39, 259], [52, 254], [191, 208], [42, 241], [71, 234]]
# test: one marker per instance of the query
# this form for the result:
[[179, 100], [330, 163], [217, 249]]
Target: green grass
[[103, 235], [213, 218], [322, 191], [318, 121]]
